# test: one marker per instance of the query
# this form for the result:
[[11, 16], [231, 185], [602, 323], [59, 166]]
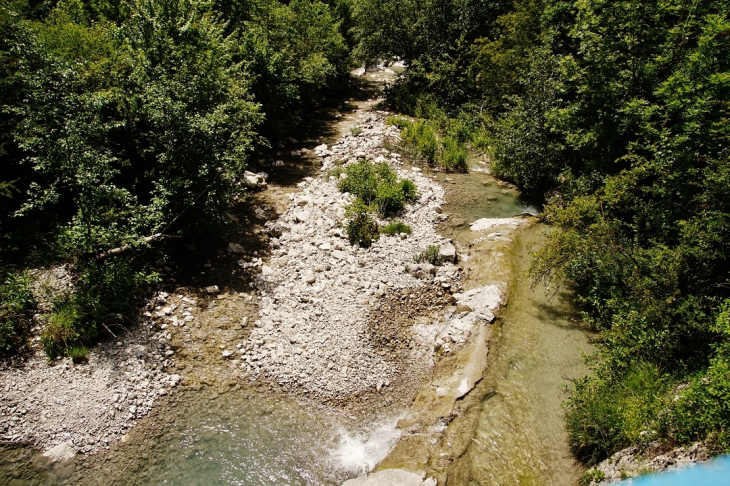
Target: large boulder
[[448, 252], [255, 181], [61, 453]]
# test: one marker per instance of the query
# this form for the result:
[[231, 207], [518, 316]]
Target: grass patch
[[421, 139], [79, 354], [452, 155], [429, 255], [65, 328], [16, 301], [355, 131], [395, 228]]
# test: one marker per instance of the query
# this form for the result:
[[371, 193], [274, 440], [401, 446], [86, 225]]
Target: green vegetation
[[124, 119], [429, 255], [376, 188], [79, 355], [16, 300], [423, 140], [360, 227], [615, 113], [395, 228], [591, 476]]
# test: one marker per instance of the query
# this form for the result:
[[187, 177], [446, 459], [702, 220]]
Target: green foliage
[[409, 190], [397, 121], [420, 137], [433, 37], [377, 185], [360, 227], [15, 301], [603, 415], [295, 52], [79, 354], [592, 476], [106, 296], [64, 329], [355, 131], [453, 155], [395, 228], [429, 255]]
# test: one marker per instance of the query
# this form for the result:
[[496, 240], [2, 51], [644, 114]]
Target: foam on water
[[360, 451]]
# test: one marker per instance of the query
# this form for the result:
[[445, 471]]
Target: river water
[[536, 349]]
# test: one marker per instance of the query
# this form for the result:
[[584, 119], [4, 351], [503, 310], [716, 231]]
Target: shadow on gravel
[[202, 262]]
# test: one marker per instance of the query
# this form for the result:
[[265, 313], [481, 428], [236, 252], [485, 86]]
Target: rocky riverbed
[[320, 317], [88, 406]]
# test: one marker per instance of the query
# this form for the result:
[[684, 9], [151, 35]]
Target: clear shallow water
[[712, 473], [239, 439], [536, 349]]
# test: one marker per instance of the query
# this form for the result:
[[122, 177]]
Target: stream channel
[[249, 436]]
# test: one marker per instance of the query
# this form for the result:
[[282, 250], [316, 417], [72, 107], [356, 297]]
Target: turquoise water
[[711, 473]]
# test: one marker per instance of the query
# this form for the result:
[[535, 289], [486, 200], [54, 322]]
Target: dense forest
[[123, 119]]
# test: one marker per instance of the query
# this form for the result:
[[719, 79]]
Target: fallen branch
[[124, 248]]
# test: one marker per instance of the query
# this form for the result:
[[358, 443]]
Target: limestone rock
[[392, 477], [236, 249], [63, 452], [448, 252]]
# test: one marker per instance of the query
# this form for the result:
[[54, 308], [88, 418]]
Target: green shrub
[[420, 137], [481, 140], [703, 409], [15, 301], [355, 131], [361, 228], [605, 415], [429, 255], [79, 354], [410, 191], [397, 121], [389, 198], [65, 329], [395, 228], [377, 185], [452, 155], [591, 476]]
